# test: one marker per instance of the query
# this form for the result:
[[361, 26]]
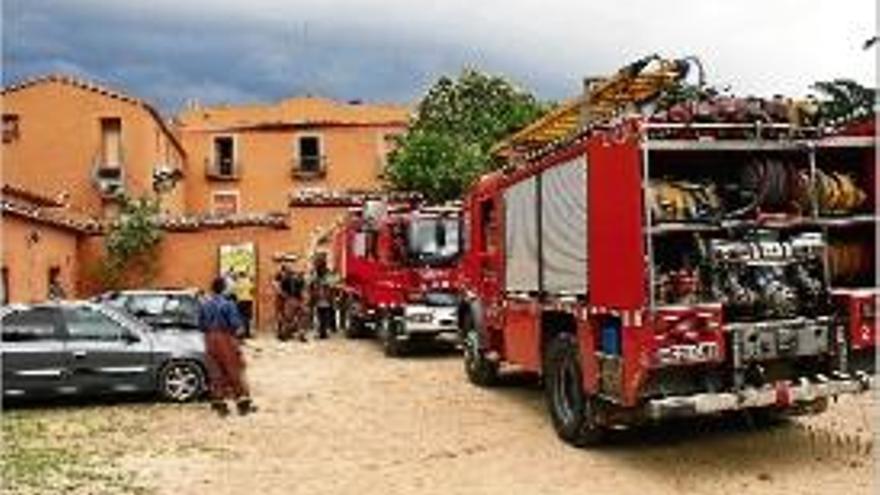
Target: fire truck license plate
[[688, 353]]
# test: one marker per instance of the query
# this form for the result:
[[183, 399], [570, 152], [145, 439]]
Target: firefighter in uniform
[[289, 303], [321, 296]]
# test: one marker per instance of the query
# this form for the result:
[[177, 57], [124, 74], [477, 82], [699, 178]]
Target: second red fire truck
[[399, 269]]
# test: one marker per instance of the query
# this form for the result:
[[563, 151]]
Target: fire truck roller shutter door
[[564, 227], [521, 237]]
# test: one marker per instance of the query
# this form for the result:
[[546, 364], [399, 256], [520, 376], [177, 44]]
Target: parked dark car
[[73, 348], [162, 309]]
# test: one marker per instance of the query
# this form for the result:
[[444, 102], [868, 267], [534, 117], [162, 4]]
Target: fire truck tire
[[391, 346], [353, 327], [352, 324], [575, 413], [480, 370]]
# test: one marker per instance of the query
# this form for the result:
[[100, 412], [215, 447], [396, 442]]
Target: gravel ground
[[337, 417]]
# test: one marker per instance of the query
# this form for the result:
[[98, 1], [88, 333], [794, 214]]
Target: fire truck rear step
[[782, 395]]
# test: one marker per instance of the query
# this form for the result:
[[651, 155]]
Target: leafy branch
[[131, 242]]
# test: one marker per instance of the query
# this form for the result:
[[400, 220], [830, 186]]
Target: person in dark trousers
[[244, 300], [55, 290], [219, 320], [321, 296], [289, 292]]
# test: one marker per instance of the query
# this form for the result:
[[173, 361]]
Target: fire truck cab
[[649, 270], [400, 273]]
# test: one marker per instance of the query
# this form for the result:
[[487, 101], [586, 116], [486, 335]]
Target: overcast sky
[[168, 51]]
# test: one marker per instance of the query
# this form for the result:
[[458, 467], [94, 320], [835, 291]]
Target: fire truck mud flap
[[782, 395]]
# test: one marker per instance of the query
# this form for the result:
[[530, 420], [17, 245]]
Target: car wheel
[[181, 381], [575, 413], [480, 370]]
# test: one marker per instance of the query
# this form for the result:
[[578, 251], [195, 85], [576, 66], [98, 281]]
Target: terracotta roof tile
[[185, 223], [101, 89], [36, 198], [300, 111], [320, 197], [30, 205]]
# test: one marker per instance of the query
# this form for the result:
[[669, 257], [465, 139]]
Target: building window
[[309, 160], [84, 323], [30, 325], [111, 142], [223, 163], [10, 127], [225, 202], [4, 285]]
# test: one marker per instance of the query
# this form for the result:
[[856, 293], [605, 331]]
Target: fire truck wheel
[[480, 369], [574, 412], [388, 332], [353, 326]]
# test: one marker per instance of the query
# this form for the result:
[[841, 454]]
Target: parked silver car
[[74, 348], [162, 309]]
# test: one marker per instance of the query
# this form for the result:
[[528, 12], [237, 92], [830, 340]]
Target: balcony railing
[[109, 178], [222, 169], [309, 167]]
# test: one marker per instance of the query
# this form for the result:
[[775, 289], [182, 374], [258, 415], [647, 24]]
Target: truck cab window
[[487, 224]]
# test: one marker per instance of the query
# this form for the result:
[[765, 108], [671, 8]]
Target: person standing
[[321, 296], [278, 290], [288, 287], [219, 320], [55, 289], [244, 298]]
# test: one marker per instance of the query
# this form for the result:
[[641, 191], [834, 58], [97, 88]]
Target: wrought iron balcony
[[309, 167], [109, 178], [222, 169]]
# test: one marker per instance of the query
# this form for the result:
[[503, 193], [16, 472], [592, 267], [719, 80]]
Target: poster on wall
[[238, 266]]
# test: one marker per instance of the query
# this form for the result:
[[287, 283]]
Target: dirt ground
[[337, 417]]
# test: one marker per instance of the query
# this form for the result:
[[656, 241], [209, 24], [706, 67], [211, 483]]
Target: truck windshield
[[433, 240]]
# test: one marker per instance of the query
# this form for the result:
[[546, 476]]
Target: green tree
[[455, 125], [842, 99], [131, 241]]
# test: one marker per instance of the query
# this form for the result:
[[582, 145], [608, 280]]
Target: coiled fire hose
[[849, 260], [837, 192], [679, 201]]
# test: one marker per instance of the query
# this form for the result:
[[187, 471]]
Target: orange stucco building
[[40, 237], [255, 157], [278, 176], [84, 143]]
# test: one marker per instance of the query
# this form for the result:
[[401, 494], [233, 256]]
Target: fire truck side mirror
[[440, 234]]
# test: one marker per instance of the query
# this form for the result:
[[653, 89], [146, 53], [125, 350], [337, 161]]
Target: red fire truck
[[399, 270], [651, 265]]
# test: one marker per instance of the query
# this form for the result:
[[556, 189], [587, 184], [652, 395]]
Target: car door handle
[[79, 354]]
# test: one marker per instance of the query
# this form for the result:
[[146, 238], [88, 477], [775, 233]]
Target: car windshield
[[165, 310], [441, 299], [120, 315], [434, 240]]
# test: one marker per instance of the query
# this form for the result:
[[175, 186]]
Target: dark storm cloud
[[168, 51], [169, 58]]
